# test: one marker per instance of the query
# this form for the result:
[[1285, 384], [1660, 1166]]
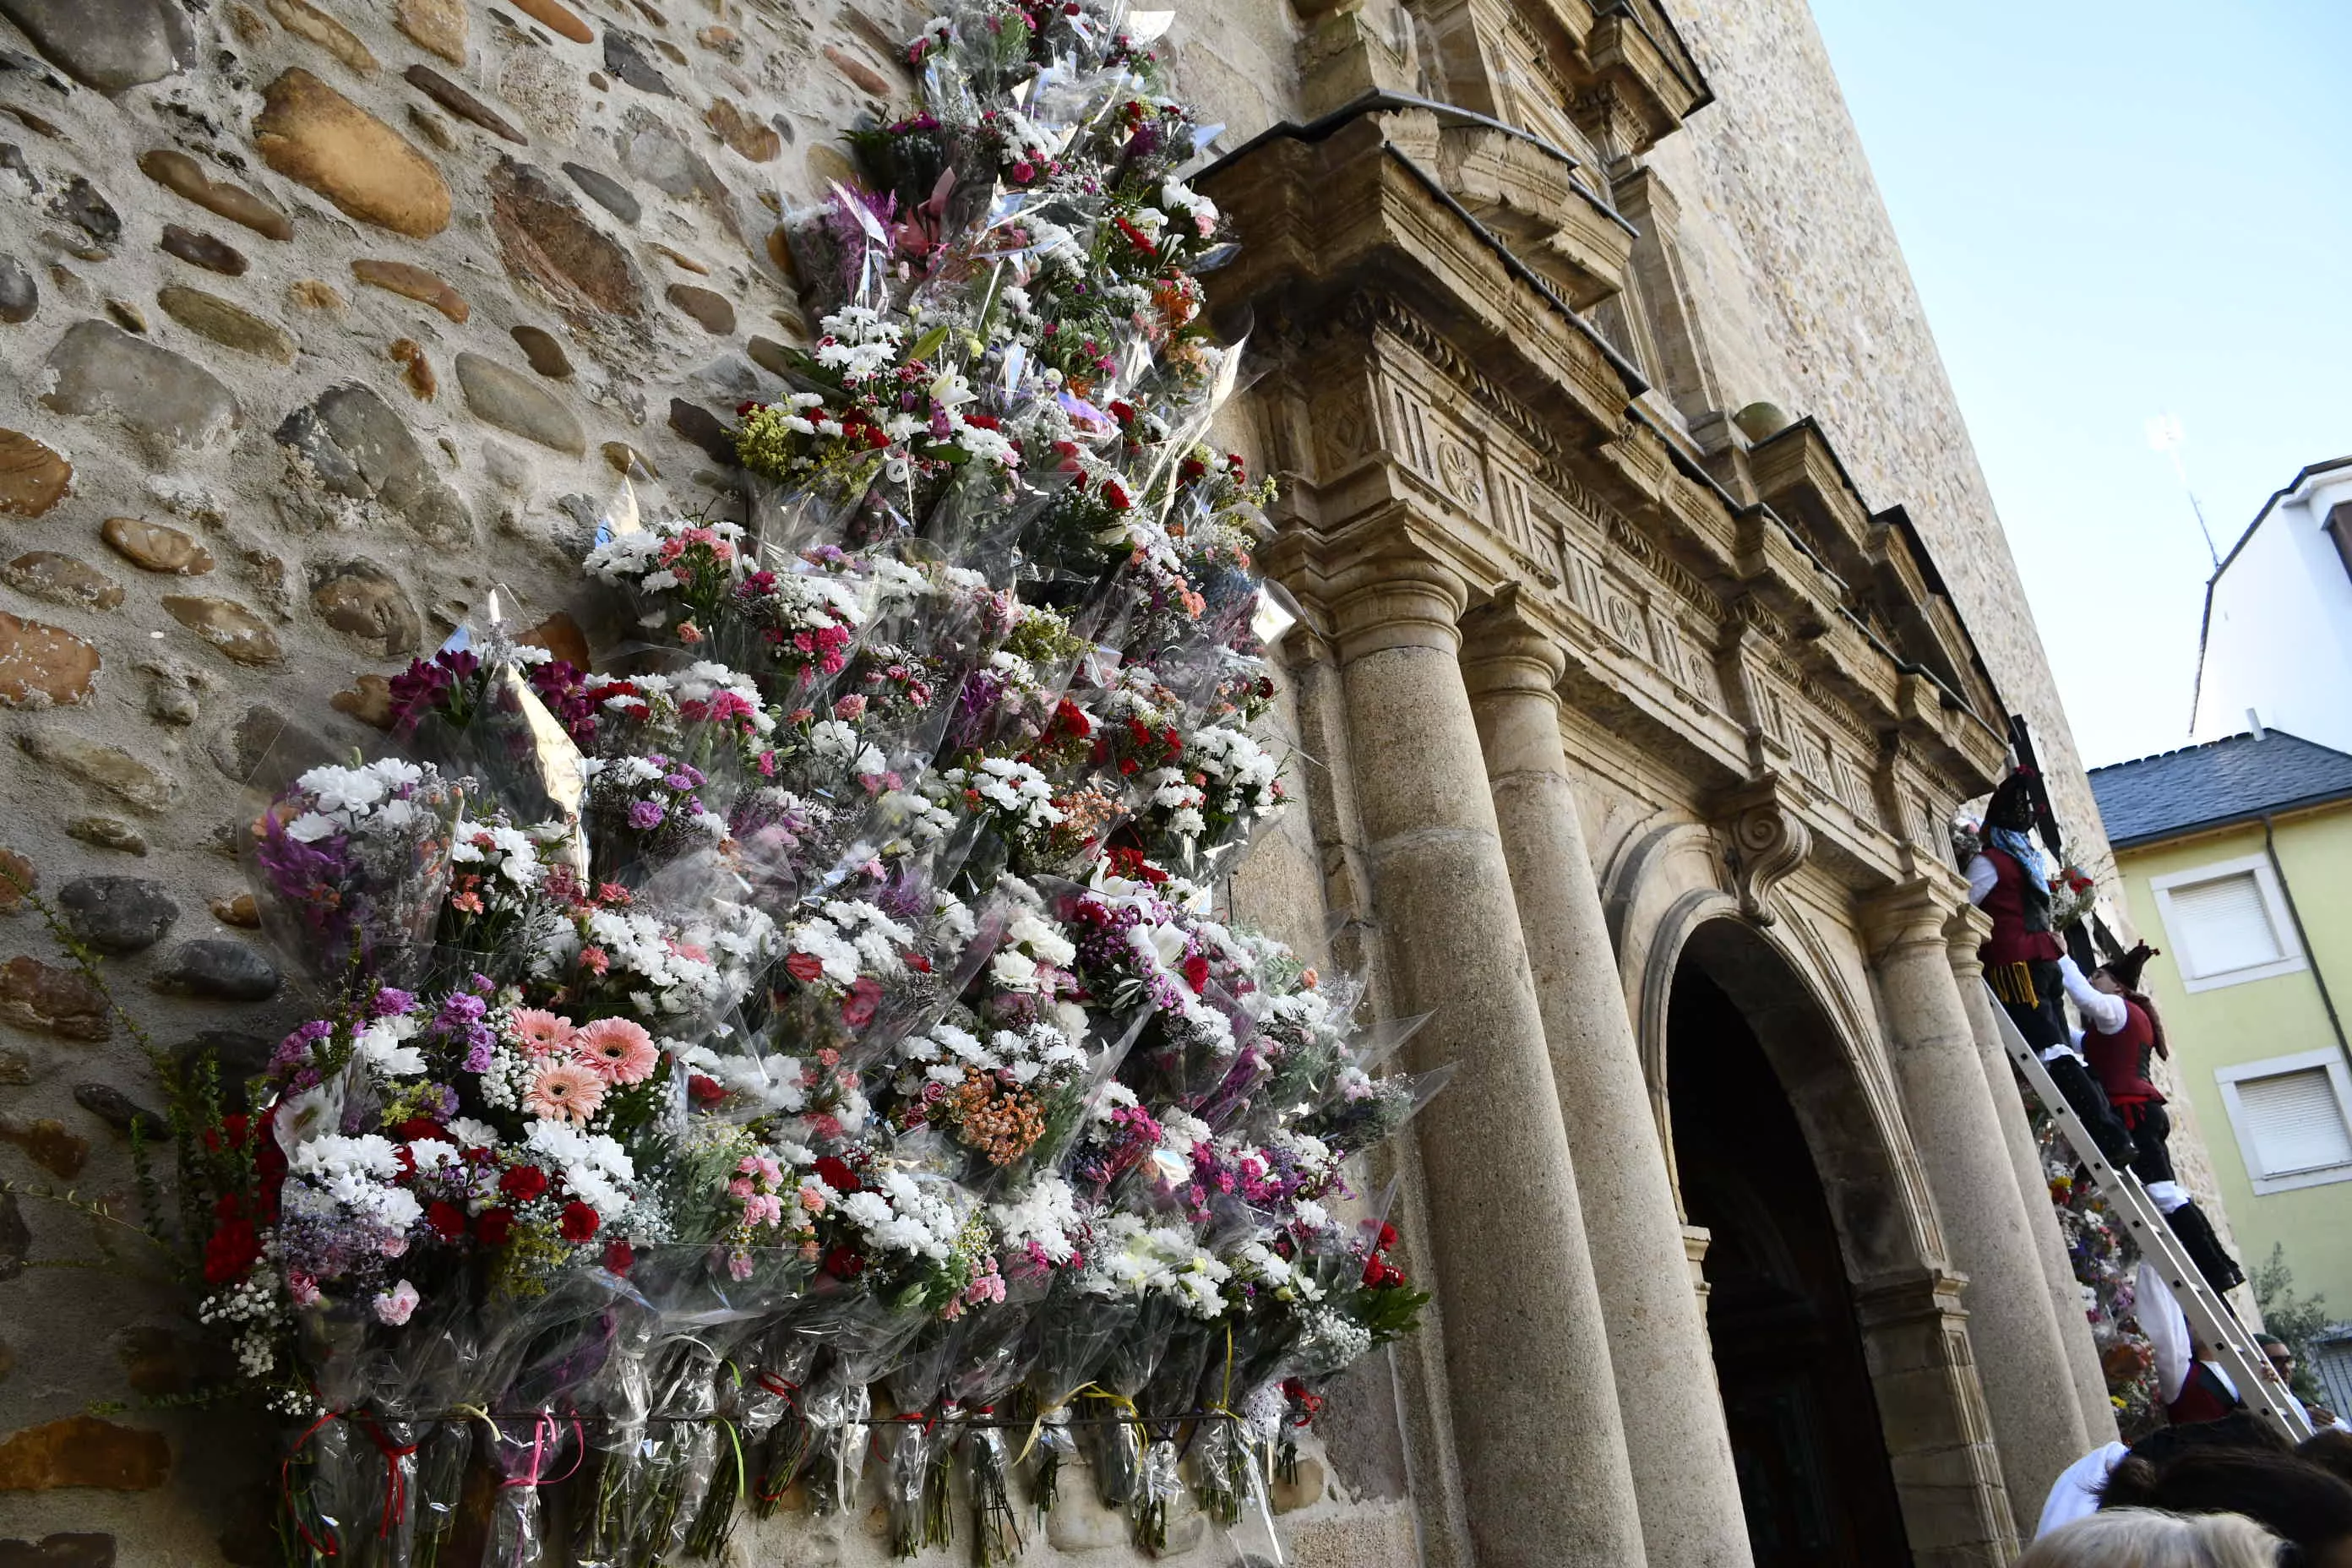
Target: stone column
[[1535, 1415], [1965, 932], [2028, 1385], [1666, 1393]]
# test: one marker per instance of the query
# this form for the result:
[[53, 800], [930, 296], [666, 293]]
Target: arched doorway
[[1790, 1354]]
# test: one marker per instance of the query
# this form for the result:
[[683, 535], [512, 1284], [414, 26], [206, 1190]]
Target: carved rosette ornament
[[1764, 839]]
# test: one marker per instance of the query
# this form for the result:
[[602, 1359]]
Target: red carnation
[[1115, 496], [803, 967], [844, 1264], [1135, 237], [1196, 974], [857, 1008], [231, 1251], [523, 1182], [496, 1228], [619, 1255], [417, 1127], [704, 1089], [834, 1172], [447, 1220], [580, 1222]]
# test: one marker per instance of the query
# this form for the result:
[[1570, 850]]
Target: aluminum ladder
[[2226, 1340]]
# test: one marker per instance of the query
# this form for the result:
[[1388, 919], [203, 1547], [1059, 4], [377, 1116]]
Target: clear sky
[[2113, 210]]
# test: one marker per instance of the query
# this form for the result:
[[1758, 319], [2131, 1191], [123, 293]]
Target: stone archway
[[1839, 1325], [1798, 1402]]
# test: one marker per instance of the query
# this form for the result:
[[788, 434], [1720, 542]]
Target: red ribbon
[[780, 1388], [395, 1483], [286, 1482]]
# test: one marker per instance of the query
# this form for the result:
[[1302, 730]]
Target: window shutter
[[2297, 1121], [2225, 924]]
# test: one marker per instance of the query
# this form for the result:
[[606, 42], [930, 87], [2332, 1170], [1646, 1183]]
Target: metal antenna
[[2165, 436]]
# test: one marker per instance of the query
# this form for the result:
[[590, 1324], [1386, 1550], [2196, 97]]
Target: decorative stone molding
[[1964, 934], [1913, 913], [1764, 839]]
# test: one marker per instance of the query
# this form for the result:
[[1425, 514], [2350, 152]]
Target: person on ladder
[[2010, 880], [2120, 1032]]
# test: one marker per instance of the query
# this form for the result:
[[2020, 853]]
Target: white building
[[2278, 617]]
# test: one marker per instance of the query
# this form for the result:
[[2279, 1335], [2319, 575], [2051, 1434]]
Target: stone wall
[[1807, 302]]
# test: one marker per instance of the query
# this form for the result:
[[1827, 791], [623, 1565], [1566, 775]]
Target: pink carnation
[[395, 1305]]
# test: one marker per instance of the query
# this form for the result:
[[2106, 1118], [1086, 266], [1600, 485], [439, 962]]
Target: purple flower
[[477, 1059], [296, 1048], [645, 814], [391, 1002], [460, 1012], [679, 782]]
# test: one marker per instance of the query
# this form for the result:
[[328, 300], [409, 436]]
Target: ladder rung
[[2216, 1326]]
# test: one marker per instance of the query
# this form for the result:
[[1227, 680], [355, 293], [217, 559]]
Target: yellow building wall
[[2256, 1020]]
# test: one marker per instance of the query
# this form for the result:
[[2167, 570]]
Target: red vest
[[2203, 1397], [2121, 1058], [2010, 942]]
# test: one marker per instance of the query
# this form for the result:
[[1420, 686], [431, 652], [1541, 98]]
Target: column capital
[[1504, 651], [1397, 598], [1912, 914], [1964, 934]]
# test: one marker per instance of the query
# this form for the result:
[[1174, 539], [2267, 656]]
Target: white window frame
[[2274, 903], [2339, 1078]]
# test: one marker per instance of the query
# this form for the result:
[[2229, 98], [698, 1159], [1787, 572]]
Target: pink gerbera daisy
[[539, 1031], [566, 1091], [620, 1050]]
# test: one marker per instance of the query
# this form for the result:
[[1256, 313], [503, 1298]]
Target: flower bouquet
[[834, 995]]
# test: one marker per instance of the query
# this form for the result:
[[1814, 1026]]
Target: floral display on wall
[[806, 1045]]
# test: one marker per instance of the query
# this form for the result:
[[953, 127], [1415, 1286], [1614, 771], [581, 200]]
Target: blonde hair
[[2144, 1538]]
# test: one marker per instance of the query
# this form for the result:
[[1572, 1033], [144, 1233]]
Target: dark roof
[[2223, 781]]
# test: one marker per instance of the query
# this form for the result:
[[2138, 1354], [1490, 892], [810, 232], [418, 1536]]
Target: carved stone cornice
[[1534, 200]]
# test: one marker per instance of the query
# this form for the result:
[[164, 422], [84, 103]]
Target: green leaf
[[928, 343]]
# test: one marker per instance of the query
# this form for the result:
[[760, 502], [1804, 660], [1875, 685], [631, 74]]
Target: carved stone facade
[[1727, 706], [1600, 703]]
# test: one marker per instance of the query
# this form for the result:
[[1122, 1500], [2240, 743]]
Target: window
[[2228, 923], [2293, 1116]]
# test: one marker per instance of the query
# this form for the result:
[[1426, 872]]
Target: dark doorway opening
[[1805, 1434]]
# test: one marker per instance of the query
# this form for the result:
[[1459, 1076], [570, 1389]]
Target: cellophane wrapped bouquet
[[811, 1041]]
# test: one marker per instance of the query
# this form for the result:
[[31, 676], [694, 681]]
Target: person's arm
[[1983, 879], [2100, 1010], [2161, 1318]]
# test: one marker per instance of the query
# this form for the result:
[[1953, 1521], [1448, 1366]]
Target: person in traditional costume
[[2121, 1036], [2025, 960]]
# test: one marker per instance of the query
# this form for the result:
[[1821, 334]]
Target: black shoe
[[2204, 1248]]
